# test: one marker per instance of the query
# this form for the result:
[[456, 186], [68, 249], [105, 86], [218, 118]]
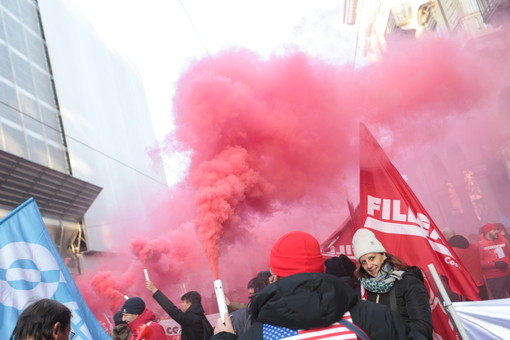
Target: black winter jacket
[[312, 300], [412, 303], [192, 321]]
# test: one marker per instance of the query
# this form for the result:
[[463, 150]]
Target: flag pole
[[354, 217], [447, 302]]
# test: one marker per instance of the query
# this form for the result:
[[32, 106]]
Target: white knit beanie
[[364, 242]]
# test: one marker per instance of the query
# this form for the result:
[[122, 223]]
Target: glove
[[501, 265]]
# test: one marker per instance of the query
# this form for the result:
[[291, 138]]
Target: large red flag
[[340, 241], [392, 211]]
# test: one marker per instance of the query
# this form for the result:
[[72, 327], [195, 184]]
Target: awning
[[57, 194]]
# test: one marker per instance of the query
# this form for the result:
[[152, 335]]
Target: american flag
[[334, 331]]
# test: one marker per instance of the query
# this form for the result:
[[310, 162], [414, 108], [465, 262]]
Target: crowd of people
[[376, 297], [487, 258]]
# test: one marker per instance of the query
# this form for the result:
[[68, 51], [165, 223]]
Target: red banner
[[340, 241], [392, 211]]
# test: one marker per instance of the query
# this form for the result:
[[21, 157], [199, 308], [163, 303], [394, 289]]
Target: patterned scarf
[[384, 280]]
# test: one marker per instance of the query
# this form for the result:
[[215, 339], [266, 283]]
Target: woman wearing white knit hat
[[387, 280]]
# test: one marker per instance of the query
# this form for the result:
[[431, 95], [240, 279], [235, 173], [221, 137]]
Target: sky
[[161, 37]]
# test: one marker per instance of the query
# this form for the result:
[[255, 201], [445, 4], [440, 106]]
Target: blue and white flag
[[31, 269]]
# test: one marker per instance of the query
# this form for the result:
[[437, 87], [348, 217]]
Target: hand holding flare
[[150, 286], [224, 326]]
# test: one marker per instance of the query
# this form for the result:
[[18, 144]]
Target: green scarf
[[384, 281]]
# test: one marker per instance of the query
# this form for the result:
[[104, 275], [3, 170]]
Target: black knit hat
[[340, 266], [133, 305], [117, 318], [459, 241]]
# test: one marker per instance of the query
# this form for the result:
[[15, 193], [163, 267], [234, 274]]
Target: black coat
[[312, 300], [192, 321], [412, 303]]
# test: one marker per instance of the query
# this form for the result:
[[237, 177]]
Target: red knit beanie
[[296, 252], [488, 227]]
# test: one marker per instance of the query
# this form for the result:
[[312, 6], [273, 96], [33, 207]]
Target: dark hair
[[117, 318], [263, 277], [395, 262], [121, 332], [192, 297], [253, 284], [259, 281], [39, 318]]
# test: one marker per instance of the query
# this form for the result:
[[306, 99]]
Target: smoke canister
[[220, 298]]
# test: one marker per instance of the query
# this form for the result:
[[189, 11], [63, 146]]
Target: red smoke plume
[[150, 250], [106, 286], [274, 147], [265, 132], [224, 183]]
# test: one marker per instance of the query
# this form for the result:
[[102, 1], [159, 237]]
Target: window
[[15, 141]]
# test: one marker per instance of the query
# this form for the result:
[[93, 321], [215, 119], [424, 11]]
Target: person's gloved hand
[[501, 265]]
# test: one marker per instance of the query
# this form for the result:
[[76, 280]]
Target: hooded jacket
[[412, 302], [314, 300], [492, 251], [147, 318], [469, 254], [192, 321]]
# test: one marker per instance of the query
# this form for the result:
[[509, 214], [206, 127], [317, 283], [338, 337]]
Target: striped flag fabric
[[335, 331]]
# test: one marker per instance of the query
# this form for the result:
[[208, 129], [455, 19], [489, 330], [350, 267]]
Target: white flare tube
[[146, 273], [220, 298]]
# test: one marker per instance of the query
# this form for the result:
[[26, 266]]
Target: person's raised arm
[[150, 286]]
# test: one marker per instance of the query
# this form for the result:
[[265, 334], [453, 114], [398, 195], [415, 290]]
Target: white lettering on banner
[[391, 211], [494, 246], [337, 249], [451, 261], [173, 329], [405, 229], [329, 252]]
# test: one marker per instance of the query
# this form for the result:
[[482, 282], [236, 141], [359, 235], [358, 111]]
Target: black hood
[[459, 241], [303, 301], [196, 309]]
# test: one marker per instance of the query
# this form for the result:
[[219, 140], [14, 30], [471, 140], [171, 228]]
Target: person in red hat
[[305, 302], [495, 259]]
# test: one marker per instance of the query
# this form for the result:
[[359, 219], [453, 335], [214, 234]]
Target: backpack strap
[[353, 327], [393, 300]]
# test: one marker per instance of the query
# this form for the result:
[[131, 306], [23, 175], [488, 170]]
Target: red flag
[[340, 241], [392, 211]]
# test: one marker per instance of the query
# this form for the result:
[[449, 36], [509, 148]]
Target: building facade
[[74, 127], [473, 177]]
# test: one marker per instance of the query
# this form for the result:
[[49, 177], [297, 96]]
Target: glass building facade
[[30, 124]]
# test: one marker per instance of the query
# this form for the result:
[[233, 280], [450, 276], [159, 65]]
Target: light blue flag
[[31, 269]]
